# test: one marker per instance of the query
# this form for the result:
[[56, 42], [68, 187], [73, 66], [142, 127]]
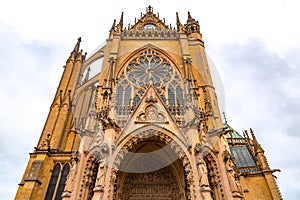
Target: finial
[[77, 46], [251, 131], [149, 9], [253, 136], [112, 30], [120, 24], [225, 118], [192, 26], [255, 142], [189, 16], [246, 133], [178, 23]]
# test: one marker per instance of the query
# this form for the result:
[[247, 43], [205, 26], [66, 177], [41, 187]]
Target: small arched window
[[54, 186], [136, 101], [127, 96], [62, 182], [53, 182], [171, 96], [120, 96], [179, 96]]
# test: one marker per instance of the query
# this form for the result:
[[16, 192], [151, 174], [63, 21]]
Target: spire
[[256, 144], [112, 30], [178, 23], [77, 46], [149, 9], [225, 118], [190, 19], [120, 24], [75, 51], [192, 26]]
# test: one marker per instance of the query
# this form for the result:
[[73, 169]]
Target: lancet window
[[149, 68], [57, 182]]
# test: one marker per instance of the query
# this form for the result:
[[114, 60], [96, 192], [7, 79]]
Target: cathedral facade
[[139, 119]]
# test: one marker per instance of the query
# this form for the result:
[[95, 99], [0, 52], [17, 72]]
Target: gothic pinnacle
[[77, 46], [120, 24], [149, 9], [112, 30], [189, 17], [178, 23]]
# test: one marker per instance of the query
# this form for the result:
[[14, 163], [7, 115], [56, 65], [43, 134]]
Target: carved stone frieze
[[161, 184]]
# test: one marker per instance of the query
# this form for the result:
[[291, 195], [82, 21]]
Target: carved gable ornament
[[149, 21], [151, 115]]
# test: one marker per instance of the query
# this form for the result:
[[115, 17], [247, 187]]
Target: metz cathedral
[[139, 120]]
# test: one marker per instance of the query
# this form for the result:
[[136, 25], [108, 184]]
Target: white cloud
[[258, 92], [29, 73], [261, 75]]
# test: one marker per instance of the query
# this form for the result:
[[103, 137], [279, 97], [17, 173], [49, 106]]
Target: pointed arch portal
[[141, 179]]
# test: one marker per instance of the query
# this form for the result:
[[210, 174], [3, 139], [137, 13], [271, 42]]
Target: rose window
[[149, 69]]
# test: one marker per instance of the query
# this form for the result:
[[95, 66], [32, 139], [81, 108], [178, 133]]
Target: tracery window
[[148, 68], [57, 182], [62, 182], [53, 182]]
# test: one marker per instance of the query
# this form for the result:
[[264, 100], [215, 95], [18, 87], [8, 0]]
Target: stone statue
[[100, 181], [71, 176], [203, 173], [234, 184]]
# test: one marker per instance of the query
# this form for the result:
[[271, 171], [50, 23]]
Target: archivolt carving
[[214, 177], [161, 137], [89, 178]]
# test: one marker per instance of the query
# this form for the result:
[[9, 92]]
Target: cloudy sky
[[254, 45]]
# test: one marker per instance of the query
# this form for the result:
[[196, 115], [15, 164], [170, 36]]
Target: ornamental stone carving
[[151, 114]]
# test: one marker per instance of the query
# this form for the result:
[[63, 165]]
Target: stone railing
[[150, 34], [249, 169]]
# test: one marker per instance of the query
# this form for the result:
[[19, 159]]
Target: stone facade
[[139, 120]]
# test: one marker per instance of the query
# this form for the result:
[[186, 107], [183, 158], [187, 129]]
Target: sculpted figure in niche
[[71, 176], [202, 169], [151, 113], [231, 174], [100, 181]]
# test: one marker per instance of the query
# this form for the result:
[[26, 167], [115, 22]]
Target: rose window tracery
[[148, 68]]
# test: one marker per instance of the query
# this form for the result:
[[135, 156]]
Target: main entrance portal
[[142, 180]]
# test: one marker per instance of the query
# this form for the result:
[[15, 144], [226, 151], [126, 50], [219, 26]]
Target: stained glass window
[[148, 68], [179, 96], [171, 96], [53, 182], [127, 96], [62, 182]]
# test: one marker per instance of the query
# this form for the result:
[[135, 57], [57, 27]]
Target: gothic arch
[[163, 53], [164, 137], [217, 192], [89, 177]]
